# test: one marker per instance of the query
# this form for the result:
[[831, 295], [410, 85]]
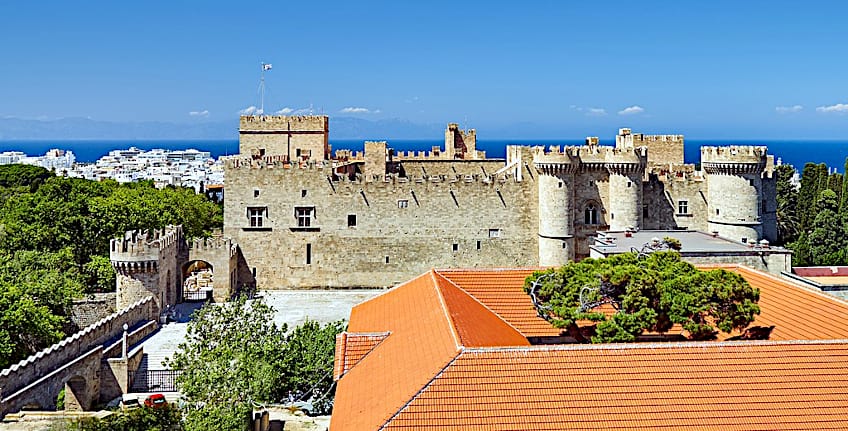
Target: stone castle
[[303, 218]]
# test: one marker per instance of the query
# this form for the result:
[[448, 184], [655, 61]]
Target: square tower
[[295, 138]]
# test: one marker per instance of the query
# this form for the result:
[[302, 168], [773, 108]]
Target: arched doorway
[[198, 280]]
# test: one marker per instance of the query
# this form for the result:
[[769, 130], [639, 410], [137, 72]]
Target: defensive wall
[[374, 231], [376, 217], [295, 137], [147, 263], [38, 379], [155, 263], [223, 255]]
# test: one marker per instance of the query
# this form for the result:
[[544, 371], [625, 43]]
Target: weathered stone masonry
[[381, 217]]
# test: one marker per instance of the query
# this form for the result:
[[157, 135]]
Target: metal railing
[[154, 380], [197, 295]]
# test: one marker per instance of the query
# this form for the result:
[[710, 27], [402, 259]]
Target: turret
[[626, 168], [734, 198], [137, 259], [556, 202]]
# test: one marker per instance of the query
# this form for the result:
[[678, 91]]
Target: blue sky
[[719, 69]]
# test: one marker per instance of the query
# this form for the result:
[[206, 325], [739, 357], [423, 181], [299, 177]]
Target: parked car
[[155, 401], [129, 402]]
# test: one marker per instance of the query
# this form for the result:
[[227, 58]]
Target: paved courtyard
[[292, 307]]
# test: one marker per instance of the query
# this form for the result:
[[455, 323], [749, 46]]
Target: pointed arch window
[[590, 214]]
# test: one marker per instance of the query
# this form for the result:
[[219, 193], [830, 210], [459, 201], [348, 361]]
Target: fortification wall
[[42, 363], [662, 149], [147, 264], [374, 234], [672, 201], [416, 168], [222, 254], [293, 137]]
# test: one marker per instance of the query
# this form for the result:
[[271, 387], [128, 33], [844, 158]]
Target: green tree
[[36, 293], [231, 358], [787, 201], [654, 293], [813, 181], [234, 356], [23, 176], [827, 241], [308, 364], [168, 418]]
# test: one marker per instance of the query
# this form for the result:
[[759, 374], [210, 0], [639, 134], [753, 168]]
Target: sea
[[833, 153]]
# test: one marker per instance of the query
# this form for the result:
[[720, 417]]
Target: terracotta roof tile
[[502, 292], [693, 386], [424, 375], [351, 348]]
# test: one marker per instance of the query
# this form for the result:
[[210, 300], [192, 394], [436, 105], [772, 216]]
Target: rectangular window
[[308, 254], [494, 233], [629, 184], [455, 247], [683, 207], [387, 259], [478, 245], [303, 193], [304, 216], [351, 220], [403, 203], [256, 193], [256, 216]]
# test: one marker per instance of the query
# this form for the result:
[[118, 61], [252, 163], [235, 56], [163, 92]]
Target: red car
[[155, 401]]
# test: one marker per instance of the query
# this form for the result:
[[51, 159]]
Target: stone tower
[[556, 205], [147, 264], [293, 138], [735, 190], [626, 167]]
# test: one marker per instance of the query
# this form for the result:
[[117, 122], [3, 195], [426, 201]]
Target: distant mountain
[[88, 129]]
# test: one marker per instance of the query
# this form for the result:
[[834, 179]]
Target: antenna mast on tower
[[262, 88]]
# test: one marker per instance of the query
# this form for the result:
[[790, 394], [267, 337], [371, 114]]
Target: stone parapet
[[734, 160], [258, 123]]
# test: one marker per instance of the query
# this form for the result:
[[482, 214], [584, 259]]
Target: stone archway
[[197, 280], [77, 396]]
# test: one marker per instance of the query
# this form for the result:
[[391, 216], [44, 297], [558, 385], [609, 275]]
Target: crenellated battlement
[[139, 250], [214, 244], [735, 159], [248, 123], [591, 156]]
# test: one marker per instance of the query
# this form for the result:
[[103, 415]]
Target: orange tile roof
[[673, 386], [502, 291], [429, 320], [797, 313], [351, 348], [454, 359]]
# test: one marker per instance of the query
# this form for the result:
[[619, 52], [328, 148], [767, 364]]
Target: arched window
[[590, 214]]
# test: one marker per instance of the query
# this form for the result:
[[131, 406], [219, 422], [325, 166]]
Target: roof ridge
[[423, 388], [795, 283], [651, 346], [347, 335], [451, 324], [480, 302], [494, 269]]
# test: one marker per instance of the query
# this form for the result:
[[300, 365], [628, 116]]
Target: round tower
[[556, 206], [626, 168], [734, 195], [136, 270]]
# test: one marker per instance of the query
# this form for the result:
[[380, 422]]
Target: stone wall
[[84, 312], [381, 217], [149, 264], [295, 137], [15, 380], [369, 234]]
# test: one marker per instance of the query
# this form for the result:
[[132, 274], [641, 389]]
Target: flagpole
[[262, 90]]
